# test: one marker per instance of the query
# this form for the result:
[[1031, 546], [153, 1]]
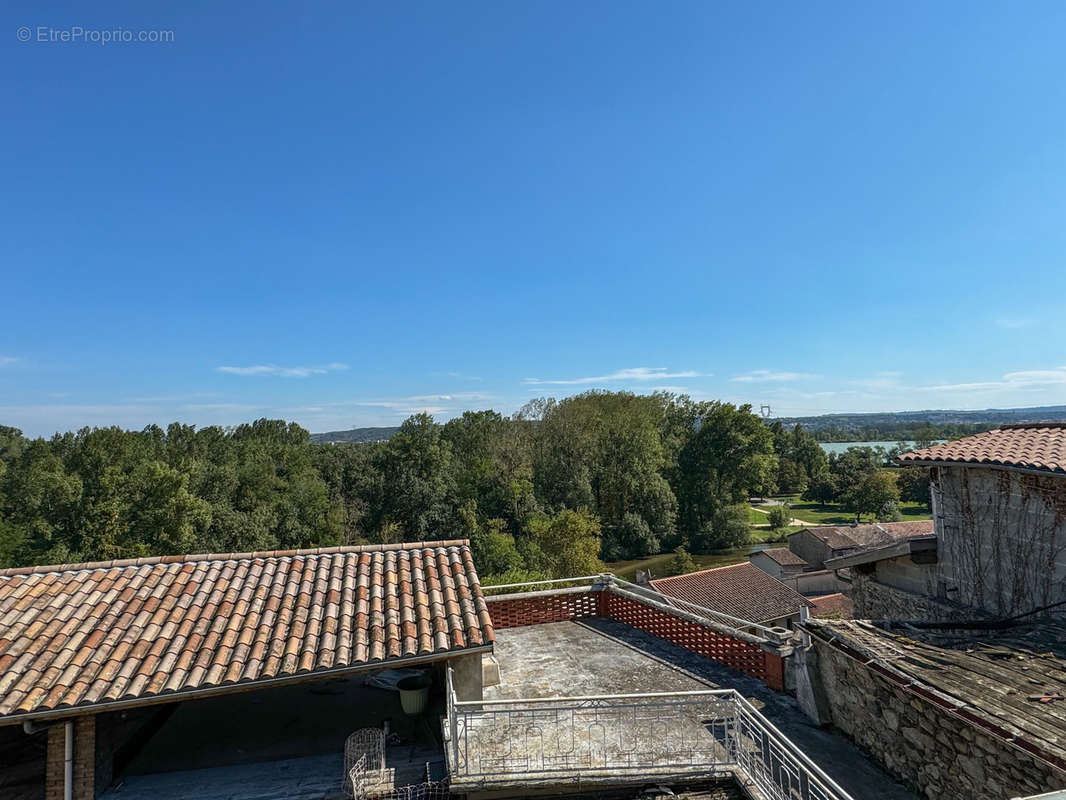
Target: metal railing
[[607, 579], [709, 732]]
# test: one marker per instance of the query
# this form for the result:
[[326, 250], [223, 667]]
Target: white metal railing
[[713, 731]]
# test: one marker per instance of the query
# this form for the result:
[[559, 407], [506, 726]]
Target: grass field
[[835, 515]]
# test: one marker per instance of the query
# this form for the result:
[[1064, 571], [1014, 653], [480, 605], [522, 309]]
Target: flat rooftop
[[598, 656], [1013, 679]]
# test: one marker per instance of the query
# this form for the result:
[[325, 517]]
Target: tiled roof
[[875, 534], [835, 538], [832, 605], [782, 556], [1030, 446], [740, 590], [88, 634]]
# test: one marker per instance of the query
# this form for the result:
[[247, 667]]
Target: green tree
[[913, 485], [729, 527], [871, 494], [681, 564], [779, 517]]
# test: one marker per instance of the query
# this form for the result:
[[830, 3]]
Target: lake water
[[840, 447]]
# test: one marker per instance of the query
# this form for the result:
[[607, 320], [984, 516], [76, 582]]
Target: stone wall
[[872, 599], [1001, 538], [934, 752]]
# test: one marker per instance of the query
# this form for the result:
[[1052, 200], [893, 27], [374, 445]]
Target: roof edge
[[203, 557]]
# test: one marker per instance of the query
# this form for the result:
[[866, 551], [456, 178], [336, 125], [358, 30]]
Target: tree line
[[550, 491]]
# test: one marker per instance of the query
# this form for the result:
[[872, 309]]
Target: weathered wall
[[822, 581], [810, 548], [939, 754], [872, 599], [1001, 538], [767, 565]]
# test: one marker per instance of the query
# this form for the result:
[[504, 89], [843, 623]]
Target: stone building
[[999, 504], [816, 545], [778, 562]]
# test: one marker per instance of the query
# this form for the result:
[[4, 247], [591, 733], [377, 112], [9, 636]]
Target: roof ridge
[[1013, 426], [701, 571], [188, 558]]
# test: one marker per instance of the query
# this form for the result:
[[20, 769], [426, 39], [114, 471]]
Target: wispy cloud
[[620, 376], [273, 370], [1022, 379], [771, 376], [462, 376], [7, 360], [1013, 323]]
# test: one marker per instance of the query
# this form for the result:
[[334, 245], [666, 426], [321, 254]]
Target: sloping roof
[[782, 556], [832, 605], [1000, 679], [875, 534], [1037, 446], [740, 590], [834, 537], [128, 631]]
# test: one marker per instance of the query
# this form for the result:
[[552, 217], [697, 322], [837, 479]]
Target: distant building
[[778, 562], [816, 545], [741, 590]]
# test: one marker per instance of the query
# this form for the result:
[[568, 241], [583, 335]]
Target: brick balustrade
[[560, 606]]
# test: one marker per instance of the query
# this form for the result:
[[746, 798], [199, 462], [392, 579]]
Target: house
[[99, 660], [816, 545], [258, 675], [999, 501], [894, 581], [778, 562], [741, 591]]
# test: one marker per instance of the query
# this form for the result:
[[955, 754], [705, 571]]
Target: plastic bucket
[[414, 694]]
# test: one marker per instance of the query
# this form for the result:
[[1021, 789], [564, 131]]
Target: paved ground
[[599, 656]]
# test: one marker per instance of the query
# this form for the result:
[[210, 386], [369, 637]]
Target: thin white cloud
[[7, 360], [462, 376], [1013, 323], [274, 370], [771, 376], [620, 376]]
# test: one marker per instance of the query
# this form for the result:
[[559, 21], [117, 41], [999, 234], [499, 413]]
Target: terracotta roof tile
[[84, 634], [1038, 446], [740, 590]]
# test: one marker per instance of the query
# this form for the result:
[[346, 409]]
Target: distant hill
[[354, 435], [930, 424]]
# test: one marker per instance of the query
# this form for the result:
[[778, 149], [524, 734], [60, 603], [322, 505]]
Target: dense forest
[[549, 491]]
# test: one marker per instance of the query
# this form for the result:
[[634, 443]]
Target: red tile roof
[[782, 556], [740, 590], [1039, 446], [832, 605], [128, 631]]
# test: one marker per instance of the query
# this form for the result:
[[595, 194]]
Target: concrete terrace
[[597, 656]]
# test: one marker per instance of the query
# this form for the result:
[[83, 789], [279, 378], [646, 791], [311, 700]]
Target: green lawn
[[835, 515]]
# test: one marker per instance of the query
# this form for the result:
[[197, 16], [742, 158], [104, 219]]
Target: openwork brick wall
[[513, 612], [722, 648]]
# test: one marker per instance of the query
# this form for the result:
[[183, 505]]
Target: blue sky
[[347, 213]]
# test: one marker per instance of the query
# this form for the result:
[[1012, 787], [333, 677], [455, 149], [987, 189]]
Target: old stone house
[[999, 506]]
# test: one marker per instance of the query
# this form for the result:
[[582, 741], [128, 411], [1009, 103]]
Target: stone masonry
[[934, 752]]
